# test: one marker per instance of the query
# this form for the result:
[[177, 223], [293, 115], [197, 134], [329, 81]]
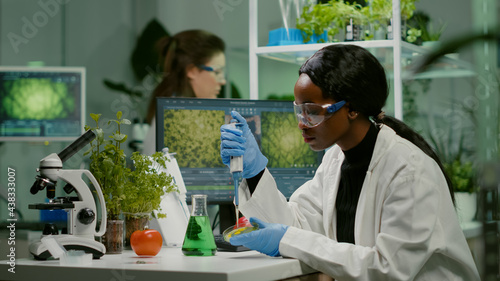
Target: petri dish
[[237, 230]]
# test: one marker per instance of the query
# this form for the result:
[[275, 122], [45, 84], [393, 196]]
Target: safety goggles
[[220, 73], [312, 114]]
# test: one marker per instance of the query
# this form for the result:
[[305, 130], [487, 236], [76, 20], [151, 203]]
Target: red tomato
[[242, 222], [146, 242]]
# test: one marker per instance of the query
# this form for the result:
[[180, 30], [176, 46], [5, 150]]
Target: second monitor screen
[[191, 129]]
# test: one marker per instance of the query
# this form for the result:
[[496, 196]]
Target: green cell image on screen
[[197, 144], [36, 99], [282, 142]]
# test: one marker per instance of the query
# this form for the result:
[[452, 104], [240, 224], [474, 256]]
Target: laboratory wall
[[101, 35], [75, 33]]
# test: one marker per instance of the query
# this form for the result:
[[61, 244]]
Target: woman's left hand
[[265, 240]]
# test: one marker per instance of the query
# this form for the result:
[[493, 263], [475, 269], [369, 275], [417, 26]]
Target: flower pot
[[133, 222], [466, 206], [113, 238]]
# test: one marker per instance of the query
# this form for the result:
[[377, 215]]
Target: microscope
[[81, 210]]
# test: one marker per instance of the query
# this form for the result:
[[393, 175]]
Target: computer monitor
[[190, 128], [42, 103]]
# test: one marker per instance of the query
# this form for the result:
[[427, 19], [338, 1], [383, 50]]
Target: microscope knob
[[86, 216], [68, 188]]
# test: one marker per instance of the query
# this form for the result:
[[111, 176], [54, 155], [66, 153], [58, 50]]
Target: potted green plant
[[331, 17], [108, 165], [462, 175], [430, 33], [407, 8], [144, 191], [379, 14], [380, 11], [354, 16], [315, 19]]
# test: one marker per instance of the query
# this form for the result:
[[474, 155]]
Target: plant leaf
[[95, 117]]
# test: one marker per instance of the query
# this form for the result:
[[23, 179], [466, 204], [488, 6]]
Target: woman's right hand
[[240, 141]]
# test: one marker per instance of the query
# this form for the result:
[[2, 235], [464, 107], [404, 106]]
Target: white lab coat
[[406, 227]]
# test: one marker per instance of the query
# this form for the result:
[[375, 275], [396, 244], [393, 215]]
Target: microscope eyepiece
[[78, 144]]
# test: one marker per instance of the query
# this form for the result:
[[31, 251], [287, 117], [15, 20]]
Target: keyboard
[[224, 246]]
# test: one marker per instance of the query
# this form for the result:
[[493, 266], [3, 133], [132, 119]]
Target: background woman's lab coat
[[406, 227]]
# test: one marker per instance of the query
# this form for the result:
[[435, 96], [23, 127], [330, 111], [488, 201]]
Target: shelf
[[440, 73], [446, 68], [299, 53], [397, 56]]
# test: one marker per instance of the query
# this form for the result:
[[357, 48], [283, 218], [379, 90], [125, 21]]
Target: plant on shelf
[[429, 31], [378, 12], [462, 175], [412, 35], [407, 8], [315, 19], [144, 191], [108, 163], [382, 9], [456, 162], [331, 17]]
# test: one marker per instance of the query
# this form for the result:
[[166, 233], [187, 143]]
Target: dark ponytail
[[409, 134], [351, 73]]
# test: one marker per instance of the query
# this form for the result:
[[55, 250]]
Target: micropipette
[[235, 168]]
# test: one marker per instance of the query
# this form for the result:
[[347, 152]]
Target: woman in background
[[193, 66]]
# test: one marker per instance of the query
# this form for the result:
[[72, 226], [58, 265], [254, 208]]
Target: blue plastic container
[[53, 216], [279, 37]]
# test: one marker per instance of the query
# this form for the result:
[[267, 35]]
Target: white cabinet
[[394, 54]]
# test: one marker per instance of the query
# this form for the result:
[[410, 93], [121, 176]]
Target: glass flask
[[199, 239]]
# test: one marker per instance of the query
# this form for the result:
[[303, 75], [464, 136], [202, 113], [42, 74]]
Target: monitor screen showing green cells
[[190, 128], [42, 104]]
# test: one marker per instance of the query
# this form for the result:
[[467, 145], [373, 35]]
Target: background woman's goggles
[[312, 114], [219, 73]]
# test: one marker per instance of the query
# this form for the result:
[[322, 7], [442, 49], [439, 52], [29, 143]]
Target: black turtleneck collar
[[364, 149]]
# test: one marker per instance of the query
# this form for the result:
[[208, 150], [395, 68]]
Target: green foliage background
[[283, 144], [37, 99], [194, 140]]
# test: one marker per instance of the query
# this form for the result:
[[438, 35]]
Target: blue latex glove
[[240, 141], [265, 240]]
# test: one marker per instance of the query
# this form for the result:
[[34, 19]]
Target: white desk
[[169, 264]]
